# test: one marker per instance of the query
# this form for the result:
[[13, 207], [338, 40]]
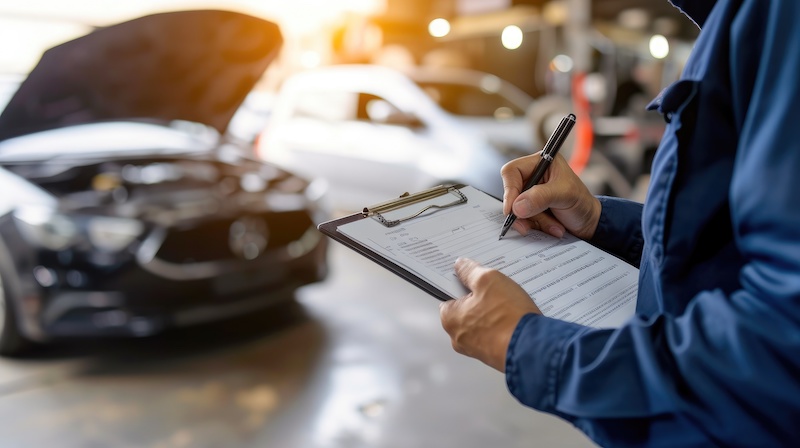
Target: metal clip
[[407, 199]]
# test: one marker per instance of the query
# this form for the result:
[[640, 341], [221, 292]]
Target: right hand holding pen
[[571, 206]]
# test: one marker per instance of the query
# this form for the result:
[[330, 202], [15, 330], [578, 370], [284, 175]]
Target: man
[[712, 357]]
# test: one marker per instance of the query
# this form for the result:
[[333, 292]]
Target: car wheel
[[11, 340], [544, 115]]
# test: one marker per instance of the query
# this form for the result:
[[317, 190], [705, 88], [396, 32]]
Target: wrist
[[499, 351], [591, 219], [594, 220]]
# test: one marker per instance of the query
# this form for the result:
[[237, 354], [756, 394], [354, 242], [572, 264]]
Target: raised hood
[[189, 65]]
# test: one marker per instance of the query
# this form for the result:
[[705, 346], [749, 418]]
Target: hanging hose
[[584, 134]]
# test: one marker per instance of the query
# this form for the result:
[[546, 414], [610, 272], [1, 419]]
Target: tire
[[12, 342], [544, 115]]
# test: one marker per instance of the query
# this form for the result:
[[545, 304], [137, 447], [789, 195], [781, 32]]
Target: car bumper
[[150, 295]]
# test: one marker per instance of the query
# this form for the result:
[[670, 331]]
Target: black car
[[123, 208]]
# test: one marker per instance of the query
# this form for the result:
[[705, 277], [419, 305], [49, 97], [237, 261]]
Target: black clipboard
[[405, 201]]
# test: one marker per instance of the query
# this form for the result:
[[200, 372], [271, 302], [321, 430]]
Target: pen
[[549, 152]]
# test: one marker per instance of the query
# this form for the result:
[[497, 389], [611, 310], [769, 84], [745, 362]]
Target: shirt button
[[658, 255]]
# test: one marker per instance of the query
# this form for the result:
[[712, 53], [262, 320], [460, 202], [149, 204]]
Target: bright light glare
[[659, 46], [634, 18], [310, 59], [23, 40], [563, 63], [594, 87], [295, 18], [491, 84], [439, 27], [511, 37]]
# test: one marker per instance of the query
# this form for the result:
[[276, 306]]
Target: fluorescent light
[[439, 27], [659, 46], [512, 37]]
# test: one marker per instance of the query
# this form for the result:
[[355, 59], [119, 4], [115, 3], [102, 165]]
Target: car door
[[307, 136], [388, 148], [500, 118]]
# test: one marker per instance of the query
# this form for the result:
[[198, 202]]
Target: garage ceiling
[[610, 8]]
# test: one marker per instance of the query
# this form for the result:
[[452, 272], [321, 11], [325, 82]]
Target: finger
[[467, 270], [510, 193], [555, 191], [446, 306], [447, 310], [523, 226], [463, 267], [514, 174], [533, 202], [508, 199], [549, 225], [544, 222]]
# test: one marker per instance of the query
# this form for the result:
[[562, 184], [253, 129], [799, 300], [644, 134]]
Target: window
[[461, 99], [326, 105]]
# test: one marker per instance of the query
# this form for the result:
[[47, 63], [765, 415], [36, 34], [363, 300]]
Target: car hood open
[[188, 65]]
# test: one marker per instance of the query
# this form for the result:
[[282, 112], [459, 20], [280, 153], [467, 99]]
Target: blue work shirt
[[712, 357]]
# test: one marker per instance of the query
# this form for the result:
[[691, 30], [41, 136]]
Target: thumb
[[466, 270], [446, 309]]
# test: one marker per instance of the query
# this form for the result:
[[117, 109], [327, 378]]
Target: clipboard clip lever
[[407, 199]]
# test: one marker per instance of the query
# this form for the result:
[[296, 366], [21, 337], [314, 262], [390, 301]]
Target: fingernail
[[556, 231], [522, 208]]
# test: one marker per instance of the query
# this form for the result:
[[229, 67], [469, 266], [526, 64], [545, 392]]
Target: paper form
[[567, 278]]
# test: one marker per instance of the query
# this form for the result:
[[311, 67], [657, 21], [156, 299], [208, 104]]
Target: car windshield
[[471, 101]]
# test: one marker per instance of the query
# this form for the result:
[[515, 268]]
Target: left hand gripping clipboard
[[377, 212]]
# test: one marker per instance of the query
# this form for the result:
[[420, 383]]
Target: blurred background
[[162, 282]]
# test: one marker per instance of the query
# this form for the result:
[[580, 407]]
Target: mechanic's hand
[[481, 323], [560, 202]]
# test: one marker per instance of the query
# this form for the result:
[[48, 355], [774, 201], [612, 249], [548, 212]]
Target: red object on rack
[[584, 133]]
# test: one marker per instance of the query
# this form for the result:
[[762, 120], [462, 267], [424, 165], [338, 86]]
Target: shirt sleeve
[[726, 371], [619, 230]]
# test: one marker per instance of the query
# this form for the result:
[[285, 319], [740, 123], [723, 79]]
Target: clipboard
[[409, 204], [572, 279]]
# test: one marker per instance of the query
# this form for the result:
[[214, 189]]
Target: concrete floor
[[357, 361]]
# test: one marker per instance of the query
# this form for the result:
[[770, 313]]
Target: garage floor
[[358, 361]]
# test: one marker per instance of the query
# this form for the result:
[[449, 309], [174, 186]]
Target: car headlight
[[112, 234], [47, 228]]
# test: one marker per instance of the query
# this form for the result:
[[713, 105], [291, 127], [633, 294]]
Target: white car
[[488, 103], [373, 134]]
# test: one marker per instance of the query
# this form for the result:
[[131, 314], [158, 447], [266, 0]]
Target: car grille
[[211, 241]]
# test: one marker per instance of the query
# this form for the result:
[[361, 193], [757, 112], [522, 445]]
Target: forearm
[[667, 381]]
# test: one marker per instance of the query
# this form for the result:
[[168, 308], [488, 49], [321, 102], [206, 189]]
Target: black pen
[[549, 152]]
